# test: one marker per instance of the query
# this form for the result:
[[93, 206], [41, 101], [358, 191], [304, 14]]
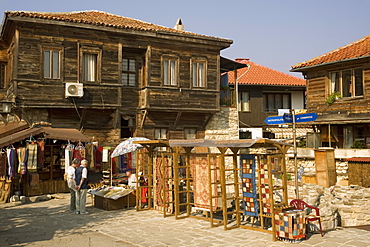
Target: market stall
[[233, 183], [35, 159]]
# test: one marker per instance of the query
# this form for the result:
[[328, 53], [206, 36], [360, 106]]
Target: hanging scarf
[[68, 155], [80, 152], [32, 157], [11, 160], [22, 159], [40, 153]]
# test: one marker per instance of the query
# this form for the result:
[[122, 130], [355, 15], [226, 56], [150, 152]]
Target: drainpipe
[[237, 92]]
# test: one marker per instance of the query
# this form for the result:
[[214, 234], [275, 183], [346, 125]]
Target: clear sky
[[274, 33]]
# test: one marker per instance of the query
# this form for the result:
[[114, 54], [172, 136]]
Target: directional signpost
[[293, 119]]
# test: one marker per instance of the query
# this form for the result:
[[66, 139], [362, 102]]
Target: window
[[170, 72], [243, 101], [160, 134], [274, 101], [2, 75], [51, 64], [190, 133], [129, 73], [199, 74], [348, 82], [89, 67]]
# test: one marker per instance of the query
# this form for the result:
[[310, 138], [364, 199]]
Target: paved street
[[49, 223]]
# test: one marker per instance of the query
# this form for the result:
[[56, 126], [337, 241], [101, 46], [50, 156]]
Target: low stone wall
[[339, 205]]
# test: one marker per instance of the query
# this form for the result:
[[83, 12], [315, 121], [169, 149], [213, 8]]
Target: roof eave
[[302, 69], [226, 42]]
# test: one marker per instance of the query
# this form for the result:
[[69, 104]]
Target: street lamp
[[5, 107]]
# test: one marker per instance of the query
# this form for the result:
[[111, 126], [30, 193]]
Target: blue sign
[[307, 117], [275, 120], [288, 118]]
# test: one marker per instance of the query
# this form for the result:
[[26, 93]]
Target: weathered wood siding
[[318, 90]]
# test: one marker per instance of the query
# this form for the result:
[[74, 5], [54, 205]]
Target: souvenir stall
[[116, 194], [233, 183], [35, 159]]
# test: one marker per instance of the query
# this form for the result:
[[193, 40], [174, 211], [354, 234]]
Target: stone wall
[[224, 125], [339, 205]]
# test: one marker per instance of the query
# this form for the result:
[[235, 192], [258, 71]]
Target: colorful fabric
[[80, 152], [11, 161], [202, 195], [3, 165], [290, 224], [265, 189], [32, 157], [68, 154], [90, 155], [162, 185], [40, 153], [22, 159], [249, 188]]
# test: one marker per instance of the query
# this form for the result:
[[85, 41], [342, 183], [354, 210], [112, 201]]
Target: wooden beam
[[143, 119], [208, 118], [177, 119], [2, 118]]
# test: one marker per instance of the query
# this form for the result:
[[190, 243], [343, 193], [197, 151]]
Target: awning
[[12, 127], [230, 65], [49, 132]]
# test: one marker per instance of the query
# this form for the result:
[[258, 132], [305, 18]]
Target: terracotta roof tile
[[359, 159], [99, 18], [357, 49], [261, 75]]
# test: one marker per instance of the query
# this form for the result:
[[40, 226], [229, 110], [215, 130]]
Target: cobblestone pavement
[[49, 223]]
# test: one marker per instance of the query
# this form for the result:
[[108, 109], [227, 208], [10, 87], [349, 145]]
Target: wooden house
[[338, 91], [109, 76], [261, 93]]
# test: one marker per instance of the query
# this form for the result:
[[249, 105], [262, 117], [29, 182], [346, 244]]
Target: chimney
[[179, 26]]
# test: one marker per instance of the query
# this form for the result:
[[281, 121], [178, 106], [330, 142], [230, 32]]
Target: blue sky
[[273, 33]]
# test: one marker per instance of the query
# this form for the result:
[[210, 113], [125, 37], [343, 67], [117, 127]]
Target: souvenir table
[[113, 198], [290, 225]]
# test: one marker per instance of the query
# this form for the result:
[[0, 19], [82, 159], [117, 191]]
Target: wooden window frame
[[275, 109], [337, 85], [241, 101], [90, 50], [186, 133], [129, 72], [51, 76], [169, 78], [195, 75]]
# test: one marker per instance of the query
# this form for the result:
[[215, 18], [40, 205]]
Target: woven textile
[[162, 184], [32, 157], [202, 193], [265, 189], [22, 159], [290, 224]]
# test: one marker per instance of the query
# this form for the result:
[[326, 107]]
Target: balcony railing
[[227, 97]]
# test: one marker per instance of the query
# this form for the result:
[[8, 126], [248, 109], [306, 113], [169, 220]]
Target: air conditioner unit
[[74, 90]]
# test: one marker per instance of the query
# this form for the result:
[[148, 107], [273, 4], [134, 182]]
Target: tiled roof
[[357, 49], [99, 18], [261, 75], [359, 159]]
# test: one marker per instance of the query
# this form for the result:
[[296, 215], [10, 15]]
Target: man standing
[[131, 179], [81, 187], [71, 183]]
